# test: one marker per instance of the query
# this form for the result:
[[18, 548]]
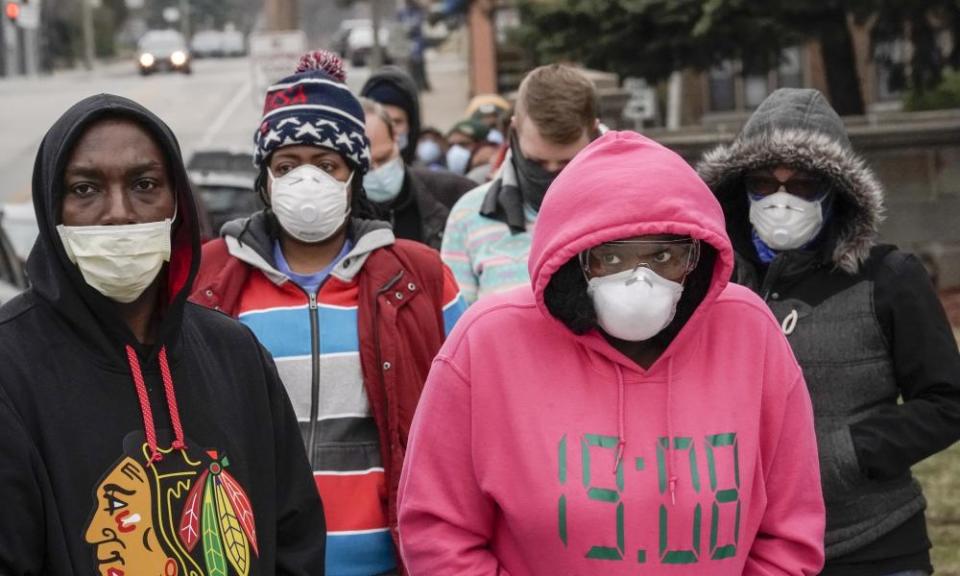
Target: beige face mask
[[120, 262]]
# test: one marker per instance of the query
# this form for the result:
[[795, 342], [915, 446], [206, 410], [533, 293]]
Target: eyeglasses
[[670, 259], [806, 187]]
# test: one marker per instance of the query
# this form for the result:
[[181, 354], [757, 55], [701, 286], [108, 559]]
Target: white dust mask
[[458, 159], [784, 221], [634, 305], [310, 204], [121, 261]]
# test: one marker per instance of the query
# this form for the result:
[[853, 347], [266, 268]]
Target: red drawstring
[[145, 409], [144, 399], [178, 443]]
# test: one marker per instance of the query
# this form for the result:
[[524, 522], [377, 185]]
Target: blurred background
[[686, 72]]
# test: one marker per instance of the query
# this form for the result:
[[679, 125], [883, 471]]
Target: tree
[[652, 38]]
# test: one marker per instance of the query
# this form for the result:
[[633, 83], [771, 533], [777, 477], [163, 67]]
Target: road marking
[[225, 115]]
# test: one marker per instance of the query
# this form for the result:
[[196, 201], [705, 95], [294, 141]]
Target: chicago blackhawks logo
[[183, 516]]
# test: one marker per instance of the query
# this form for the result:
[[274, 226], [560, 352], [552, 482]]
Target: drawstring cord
[[670, 452], [621, 436], [178, 443], [148, 426]]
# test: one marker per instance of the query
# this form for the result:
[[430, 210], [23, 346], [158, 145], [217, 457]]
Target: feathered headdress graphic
[[218, 512]]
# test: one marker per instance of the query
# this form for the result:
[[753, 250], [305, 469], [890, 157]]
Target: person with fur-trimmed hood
[[803, 211]]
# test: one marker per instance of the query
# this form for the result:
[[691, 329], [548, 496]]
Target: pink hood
[[620, 186], [536, 452]]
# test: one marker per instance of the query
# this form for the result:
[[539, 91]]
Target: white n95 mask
[[634, 305], [121, 261], [310, 204], [784, 221]]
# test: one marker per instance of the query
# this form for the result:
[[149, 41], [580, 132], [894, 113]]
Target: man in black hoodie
[[141, 434], [396, 91]]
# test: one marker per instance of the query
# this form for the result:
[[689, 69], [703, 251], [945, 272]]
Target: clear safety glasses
[[670, 259]]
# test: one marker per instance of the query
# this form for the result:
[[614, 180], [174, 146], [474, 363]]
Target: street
[[213, 108]]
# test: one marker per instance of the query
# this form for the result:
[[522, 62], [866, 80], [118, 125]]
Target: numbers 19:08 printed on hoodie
[[716, 514]]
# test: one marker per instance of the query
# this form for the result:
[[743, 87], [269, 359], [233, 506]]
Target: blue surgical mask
[[428, 152], [402, 140], [458, 159], [383, 184]]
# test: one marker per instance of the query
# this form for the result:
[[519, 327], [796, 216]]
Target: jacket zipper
[[773, 274], [315, 380]]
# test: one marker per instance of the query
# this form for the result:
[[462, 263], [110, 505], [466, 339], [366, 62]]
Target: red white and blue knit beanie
[[314, 107]]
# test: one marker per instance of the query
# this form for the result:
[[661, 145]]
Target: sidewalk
[[443, 106]]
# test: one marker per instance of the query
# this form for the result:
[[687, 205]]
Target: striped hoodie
[[315, 342]]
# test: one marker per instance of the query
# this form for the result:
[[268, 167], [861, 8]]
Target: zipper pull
[[313, 301]]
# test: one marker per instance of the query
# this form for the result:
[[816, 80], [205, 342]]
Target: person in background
[[803, 211], [406, 198], [494, 111], [631, 412], [481, 161], [352, 315], [431, 150], [141, 434], [462, 141], [398, 93], [488, 232], [412, 18]]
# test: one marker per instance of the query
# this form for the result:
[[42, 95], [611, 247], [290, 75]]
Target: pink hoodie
[[512, 466]]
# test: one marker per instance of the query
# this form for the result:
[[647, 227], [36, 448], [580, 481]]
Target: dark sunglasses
[[806, 187]]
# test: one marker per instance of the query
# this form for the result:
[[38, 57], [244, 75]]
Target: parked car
[[12, 279], [224, 180], [206, 44], [163, 50], [233, 43], [217, 43], [339, 42], [360, 44]]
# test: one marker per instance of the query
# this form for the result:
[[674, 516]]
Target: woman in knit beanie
[[352, 316]]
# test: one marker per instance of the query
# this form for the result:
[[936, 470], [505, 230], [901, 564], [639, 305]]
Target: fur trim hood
[[798, 127]]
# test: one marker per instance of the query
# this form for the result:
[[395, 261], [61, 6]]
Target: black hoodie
[[391, 85], [79, 492]]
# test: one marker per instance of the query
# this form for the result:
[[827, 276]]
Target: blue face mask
[[428, 152], [458, 159], [403, 140], [383, 184]]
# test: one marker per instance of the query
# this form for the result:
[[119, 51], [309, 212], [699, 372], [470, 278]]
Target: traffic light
[[12, 10]]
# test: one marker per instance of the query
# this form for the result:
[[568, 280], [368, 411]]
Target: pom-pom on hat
[[314, 107]]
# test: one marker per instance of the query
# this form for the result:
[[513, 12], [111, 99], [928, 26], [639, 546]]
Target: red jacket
[[401, 329]]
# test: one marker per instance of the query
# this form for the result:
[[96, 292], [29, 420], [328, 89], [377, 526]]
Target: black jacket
[[79, 495], [868, 330], [420, 210], [403, 92]]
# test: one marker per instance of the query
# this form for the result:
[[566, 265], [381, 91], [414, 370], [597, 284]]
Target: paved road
[[212, 108]]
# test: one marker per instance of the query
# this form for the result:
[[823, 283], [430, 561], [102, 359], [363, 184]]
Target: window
[[722, 87]]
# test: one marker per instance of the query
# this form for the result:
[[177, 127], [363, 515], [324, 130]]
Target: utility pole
[[282, 15], [185, 19], [88, 33], [376, 20]]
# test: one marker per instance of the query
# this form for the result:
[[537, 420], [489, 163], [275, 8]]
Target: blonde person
[[488, 234]]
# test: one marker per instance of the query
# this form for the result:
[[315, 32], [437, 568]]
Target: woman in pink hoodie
[[632, 413]]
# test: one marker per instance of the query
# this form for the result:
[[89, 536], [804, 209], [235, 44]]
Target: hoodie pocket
[[839, 470]]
